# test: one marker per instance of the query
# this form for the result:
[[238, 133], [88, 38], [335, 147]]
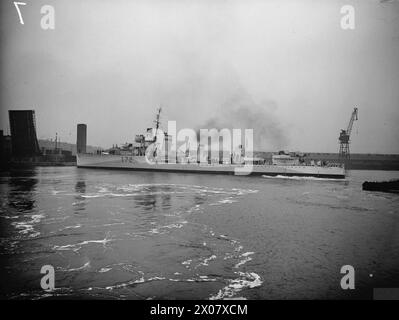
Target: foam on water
[[302, 178], [246, 280], [26, 227], [83, 267], [246, 258], [205, 261], [78, 246]]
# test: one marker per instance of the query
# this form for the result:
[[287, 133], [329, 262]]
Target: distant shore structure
[[81, 138], [23, 133], [344, 139]]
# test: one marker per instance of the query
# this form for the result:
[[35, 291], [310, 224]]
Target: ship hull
[[137, 163]]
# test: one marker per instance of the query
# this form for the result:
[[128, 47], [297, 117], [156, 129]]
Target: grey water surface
[[144, 235]]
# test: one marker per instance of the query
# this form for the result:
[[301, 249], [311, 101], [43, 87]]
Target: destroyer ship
[[146, 154]]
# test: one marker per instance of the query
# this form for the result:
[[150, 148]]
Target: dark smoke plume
[[241, 112]]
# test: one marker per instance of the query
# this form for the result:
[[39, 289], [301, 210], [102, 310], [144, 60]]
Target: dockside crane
[[344, 139]]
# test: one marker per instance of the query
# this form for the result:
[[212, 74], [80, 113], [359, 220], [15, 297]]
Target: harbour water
[[143, 235]]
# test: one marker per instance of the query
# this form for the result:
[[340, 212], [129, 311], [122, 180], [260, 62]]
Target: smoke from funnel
[[241, 112]]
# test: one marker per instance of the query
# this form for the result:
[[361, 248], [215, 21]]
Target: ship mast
[[157, 123]]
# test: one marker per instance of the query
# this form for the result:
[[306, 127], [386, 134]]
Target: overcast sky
[[289, 64]]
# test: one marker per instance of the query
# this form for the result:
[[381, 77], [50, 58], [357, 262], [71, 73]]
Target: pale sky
[[110, 63]]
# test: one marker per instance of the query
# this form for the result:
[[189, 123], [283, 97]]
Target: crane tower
[[344, 138]]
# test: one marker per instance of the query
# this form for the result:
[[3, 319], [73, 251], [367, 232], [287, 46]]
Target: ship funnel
[[81, 138]]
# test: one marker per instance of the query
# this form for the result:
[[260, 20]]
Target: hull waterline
[[139, 163]]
